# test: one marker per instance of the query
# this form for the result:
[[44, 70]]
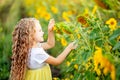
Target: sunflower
[[65, 16], [54, 9], [94, 9], [47, 16], [112, 23], [78, 35], [68, 63], [63, 42], [82, 20], [76, 66], [102, 4]]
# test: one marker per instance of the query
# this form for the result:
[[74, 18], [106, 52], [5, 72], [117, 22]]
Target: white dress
[[38, 69], [36, 58]]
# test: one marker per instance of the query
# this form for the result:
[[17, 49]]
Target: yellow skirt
[[43, 73]]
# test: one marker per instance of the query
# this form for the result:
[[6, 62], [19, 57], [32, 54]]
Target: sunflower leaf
[[115, 34]]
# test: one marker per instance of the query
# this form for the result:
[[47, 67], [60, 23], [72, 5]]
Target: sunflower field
[[94, 25]]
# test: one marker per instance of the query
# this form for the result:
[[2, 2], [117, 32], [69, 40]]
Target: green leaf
[[105, 28], [99, 43], [90, 75], [115, 34], [94, 34], [118, 71], [117, 46], [85, 55], [69, 69], [113, 42]]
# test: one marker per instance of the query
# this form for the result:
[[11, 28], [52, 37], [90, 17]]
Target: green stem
[[82, 34], [102, 34]]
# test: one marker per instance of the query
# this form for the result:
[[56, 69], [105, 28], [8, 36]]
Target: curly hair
[[22, 37]]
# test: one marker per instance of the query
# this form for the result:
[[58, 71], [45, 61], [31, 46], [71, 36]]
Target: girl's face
[[38, 32]]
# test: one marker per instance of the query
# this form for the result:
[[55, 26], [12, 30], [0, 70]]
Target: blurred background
[[11, 11]]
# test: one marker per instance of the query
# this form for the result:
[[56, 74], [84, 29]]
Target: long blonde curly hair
[[23, 37]]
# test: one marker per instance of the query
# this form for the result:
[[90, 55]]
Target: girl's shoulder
[[37, 50]]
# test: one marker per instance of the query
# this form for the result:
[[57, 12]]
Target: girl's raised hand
[[72, 45], [51, 25]]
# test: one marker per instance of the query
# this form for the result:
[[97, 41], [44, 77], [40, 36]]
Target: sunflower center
[[112, 23]]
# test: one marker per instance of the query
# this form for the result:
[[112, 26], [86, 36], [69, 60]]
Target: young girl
[[29, 60]]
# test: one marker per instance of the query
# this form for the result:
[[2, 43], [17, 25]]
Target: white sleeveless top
[[36, 58]]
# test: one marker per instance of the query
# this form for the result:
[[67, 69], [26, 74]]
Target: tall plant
[[97, 55]]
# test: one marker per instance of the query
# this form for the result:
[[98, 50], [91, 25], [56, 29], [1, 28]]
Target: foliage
[[97, 55], [10, 13], [5, 53]]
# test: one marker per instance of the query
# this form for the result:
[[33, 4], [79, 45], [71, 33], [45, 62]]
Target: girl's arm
[[51, 39], [59, 59]]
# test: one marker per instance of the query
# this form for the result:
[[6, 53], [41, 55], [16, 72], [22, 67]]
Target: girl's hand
[[72, 45], [51, 25]]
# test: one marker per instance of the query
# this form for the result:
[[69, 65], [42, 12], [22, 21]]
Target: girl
[[29, 60]]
